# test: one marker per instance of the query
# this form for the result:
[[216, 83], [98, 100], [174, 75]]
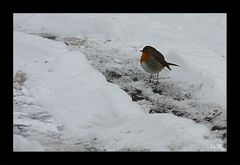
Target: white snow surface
[[23, 144], [87, 112]]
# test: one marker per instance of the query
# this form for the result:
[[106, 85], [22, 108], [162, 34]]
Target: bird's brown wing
[[160, 58]]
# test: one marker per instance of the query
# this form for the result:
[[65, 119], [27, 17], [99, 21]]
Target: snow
[[83, 111], [22, 144]]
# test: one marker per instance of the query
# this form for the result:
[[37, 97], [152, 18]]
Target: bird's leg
[[150, 78], [157, 78]]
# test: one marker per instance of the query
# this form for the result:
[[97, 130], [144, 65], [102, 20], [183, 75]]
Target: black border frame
[[231, 7]]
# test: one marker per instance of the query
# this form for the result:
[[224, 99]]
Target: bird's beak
[[141, 51]]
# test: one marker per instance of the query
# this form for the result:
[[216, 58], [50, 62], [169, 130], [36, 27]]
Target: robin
[[152, 61]]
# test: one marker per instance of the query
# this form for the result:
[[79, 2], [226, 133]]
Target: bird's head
[[148, 49]]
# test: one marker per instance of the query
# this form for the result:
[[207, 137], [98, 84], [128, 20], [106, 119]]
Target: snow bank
[[89, 107], [23, 144]]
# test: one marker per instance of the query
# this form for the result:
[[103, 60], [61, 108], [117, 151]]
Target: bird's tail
[[172, 64], [168, 63]]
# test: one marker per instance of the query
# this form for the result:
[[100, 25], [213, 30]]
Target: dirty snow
[[79, 86]]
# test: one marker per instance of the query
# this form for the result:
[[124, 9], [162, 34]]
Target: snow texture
[[79, 86]]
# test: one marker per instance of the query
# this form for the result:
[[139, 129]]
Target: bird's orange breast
[[145, 56]]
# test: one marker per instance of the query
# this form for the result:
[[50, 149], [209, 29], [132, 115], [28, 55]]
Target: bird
[[153, 62]]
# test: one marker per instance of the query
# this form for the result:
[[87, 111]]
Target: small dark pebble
[[178, 98], [207, 118], [217, 127], [48, 36], [138, 91], [178, 113], [106, 41], [126, 90], [159, 91], [188, 96], [152, 111], [52, 37], [196, 120], [135, 97], [224, 136], [110, 81], [113, 74], [169, 107], [135, 79]]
